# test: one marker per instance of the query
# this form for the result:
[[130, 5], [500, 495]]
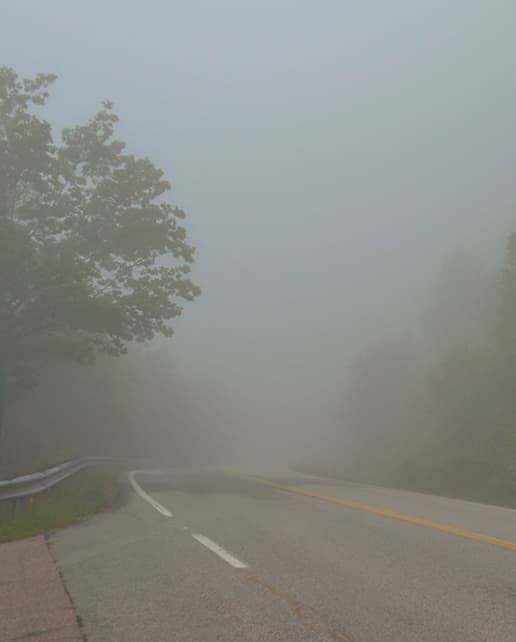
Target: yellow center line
[[419, 521]]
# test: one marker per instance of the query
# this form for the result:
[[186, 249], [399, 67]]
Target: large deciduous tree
[[92, 256]]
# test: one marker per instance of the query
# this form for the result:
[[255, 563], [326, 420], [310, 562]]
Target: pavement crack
[[32, 634], [306, 615]]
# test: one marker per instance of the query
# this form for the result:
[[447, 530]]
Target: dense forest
[[433, 408]]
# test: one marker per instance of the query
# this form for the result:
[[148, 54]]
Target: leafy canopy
[[92, 256]]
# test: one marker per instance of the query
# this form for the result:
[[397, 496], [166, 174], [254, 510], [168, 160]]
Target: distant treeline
[[434, 408], [139, 405]]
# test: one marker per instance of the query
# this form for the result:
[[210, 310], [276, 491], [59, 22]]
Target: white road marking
[[139, 490], [218, 550]]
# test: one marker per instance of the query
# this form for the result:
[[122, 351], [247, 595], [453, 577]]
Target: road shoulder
[[33, 601]]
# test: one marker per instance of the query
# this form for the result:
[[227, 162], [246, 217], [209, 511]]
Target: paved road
[[233, 558]]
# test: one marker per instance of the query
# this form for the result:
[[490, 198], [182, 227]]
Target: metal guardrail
[[43, 480]]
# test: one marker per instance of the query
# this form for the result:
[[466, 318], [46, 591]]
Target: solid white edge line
[[218, 550], [145, 496]]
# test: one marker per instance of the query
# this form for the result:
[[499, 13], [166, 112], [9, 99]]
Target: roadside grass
[[88, 492]]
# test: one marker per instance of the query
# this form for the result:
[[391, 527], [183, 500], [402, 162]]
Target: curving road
[[214, 555]]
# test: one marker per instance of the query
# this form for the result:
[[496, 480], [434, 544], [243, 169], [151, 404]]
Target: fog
[[330, 157]]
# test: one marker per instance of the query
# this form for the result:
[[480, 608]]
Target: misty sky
[[329, 155]]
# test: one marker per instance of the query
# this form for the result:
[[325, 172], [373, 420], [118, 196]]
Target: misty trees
[[505, 335], [386, 399], [92, 256], [505, 352], [438, 413], [142, 404], [461, 310]]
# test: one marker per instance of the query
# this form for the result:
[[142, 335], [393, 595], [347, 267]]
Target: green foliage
[[461, 308], [386, 402], [92, 256], [439, 414], [506, 317]]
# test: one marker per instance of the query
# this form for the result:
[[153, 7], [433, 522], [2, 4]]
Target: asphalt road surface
[[224, 556]]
